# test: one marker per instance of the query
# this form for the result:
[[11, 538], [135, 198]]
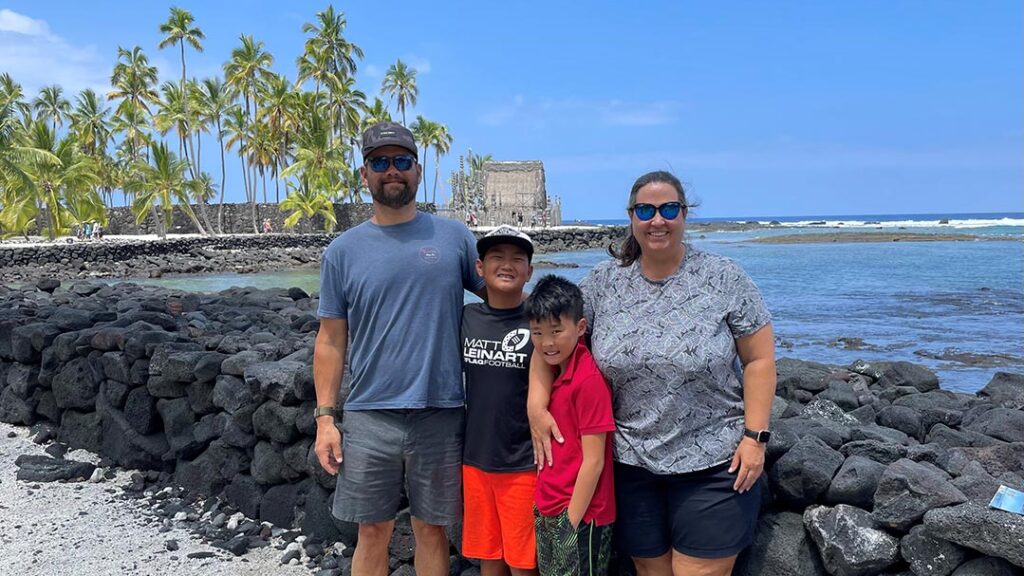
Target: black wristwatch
[[762, 436]]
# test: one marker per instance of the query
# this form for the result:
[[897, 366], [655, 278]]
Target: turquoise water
[[924, 302]]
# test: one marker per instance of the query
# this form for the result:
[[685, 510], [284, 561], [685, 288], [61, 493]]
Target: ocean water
[[957, 307]]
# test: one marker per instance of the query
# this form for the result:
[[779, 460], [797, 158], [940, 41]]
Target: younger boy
[[575, 497], [498, 473]]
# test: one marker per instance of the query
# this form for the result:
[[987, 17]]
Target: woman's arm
[[757, 354], [542, 424]]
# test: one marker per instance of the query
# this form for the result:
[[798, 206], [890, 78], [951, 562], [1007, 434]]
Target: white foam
[[951, 223]]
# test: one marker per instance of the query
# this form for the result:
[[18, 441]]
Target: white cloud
[[569, 111], [419, 63], [35, 57], [11, 21]]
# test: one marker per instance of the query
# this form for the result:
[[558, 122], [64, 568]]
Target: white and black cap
[[504, 235]]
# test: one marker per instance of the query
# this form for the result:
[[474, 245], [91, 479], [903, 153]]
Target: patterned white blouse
[[668, 350]]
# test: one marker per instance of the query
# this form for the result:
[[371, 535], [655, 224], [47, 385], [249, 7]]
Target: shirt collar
[[570, 366]]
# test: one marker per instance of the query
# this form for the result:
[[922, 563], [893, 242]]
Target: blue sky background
[[762, 108]]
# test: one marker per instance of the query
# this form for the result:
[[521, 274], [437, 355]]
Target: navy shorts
[[697, 514]]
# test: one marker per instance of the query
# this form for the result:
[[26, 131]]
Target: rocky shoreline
[[873, 468]]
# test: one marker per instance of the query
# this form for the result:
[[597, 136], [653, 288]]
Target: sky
[[783, 108]]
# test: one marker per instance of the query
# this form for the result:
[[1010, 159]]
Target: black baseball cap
[[504, 235], [387, 134]]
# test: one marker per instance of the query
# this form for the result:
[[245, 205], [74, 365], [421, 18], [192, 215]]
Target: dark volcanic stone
[[796, 375], [231, 393], [15, 409], [907, 374], [212, 470], [1005, 389], [882, 452], [935, 407], [236, 364], [1003, 423], [29, 340], [32, 468], [81, 430], [116, 367], [140, 411], [276, 422], [781, 547], [115, 392], [855, 482], [200, 397], [851, 544], [997, 459], [246, 494], [109, 339], [842, 394], [279, 503], [178, 421], [987, 530], [22, 380], [907, 490], [48, 284], [987, 566], [929, 555], [122, 443], [268, 465], [903, 419], [275, 380], [77, 384], [804, 473], [944, 436]]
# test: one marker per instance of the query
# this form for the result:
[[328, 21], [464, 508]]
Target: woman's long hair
[[629, 251]]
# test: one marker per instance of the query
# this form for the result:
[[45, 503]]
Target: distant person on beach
[[267, 226], [498, 477], [685, 340], [88, 231], [394, 285], [97, 231]]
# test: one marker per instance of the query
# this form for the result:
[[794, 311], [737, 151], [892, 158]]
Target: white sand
[[43, 530]]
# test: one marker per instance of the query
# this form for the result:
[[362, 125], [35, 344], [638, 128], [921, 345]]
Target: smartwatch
[[762, 436]]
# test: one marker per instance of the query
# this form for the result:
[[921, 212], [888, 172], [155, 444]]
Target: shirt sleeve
[[333, 303], [594, 406], [746, 311], [471, 281]]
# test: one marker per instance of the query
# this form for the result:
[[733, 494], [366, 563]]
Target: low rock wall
[[115, 258], [872, 469]]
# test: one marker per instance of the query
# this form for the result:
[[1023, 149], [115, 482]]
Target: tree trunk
[[223, 177]]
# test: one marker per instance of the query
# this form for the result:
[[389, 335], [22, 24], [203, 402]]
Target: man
[[394, 285]]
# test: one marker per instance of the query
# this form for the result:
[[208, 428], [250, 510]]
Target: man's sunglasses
[[668, 210], [379, 164]]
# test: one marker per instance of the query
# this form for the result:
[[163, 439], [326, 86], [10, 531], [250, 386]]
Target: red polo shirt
[[581, 403]]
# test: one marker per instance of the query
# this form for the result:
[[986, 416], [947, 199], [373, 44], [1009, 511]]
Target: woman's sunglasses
[[379, 164], [668, 210]]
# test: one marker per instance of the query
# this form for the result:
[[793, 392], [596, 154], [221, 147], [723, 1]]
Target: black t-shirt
[[496, 351]]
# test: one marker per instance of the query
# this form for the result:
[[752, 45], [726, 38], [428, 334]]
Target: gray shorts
[[386, 450]]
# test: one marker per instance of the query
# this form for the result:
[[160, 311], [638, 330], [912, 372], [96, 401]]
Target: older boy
[[498, 475]]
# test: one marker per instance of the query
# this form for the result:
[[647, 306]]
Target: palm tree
[[278, 111], [441, 140], [328, 40], [159, 185], [375, 114], [248, 67], [179, 30], [215, 99], [90, 122], [303, 200], [134, 81], [237, 128], [319, 159], [400, 84], [18, 206], [422, 131], [11, 93], [56, 184], [52, 104]]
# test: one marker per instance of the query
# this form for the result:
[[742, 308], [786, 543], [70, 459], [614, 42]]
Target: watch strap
[[324, 411]]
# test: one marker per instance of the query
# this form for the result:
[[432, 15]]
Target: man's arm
[[328, 367], [586, 480], [542, 424], [757, 354]]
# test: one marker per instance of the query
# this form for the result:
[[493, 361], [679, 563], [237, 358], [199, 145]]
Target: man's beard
[[394, 198]]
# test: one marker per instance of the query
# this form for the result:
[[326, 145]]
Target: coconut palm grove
[[65, 158]]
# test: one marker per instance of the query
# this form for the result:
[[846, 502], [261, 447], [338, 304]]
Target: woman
[[671, 327]]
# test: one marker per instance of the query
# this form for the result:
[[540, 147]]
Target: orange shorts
[[498, 517]]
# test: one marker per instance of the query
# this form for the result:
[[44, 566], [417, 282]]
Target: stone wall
[[872, 469], [237, 219]]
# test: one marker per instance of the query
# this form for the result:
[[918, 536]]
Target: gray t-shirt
[[667, 348], [401, 289]]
